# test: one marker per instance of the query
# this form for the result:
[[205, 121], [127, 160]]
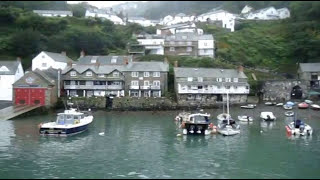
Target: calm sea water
[[145, 145]]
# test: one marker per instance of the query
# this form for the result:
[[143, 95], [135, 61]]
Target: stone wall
[[280, 90], [84, 102]]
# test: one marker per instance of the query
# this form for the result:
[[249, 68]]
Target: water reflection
[[267, 125], [193, 141]]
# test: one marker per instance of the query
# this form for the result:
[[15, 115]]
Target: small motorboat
[[245, 118], [67, 123], [289, 103], [279, 104], [289, 113], [249, 106], [308, 101], [287, 107], [298, 127], [315, 106], [269, 103], [303, 105], [267, 116], [194, 123]]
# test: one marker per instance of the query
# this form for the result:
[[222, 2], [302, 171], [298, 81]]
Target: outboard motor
[[301, 128]]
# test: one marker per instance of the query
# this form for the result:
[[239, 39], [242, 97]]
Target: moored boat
[[194, 123], [289, 113], [249, 106], [303, 105], [245, 118], [298, 127], [287, 107], [267, 116], [279, 104], [308, 101], [315, 106], [67, 123]]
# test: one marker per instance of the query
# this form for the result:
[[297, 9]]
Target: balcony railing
[[152, 87], [97, 87], [213, 91]]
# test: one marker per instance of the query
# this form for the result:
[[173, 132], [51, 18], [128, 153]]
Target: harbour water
[[146, 145]]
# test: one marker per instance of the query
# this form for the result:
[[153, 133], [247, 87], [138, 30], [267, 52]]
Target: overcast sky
[[100, 4]]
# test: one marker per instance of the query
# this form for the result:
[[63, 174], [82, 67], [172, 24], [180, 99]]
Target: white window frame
[[205, 44], [146, 83], [113, 60], [93, 61], [190, 79], [200, 79], [235, 80], [89, 73], [134, 83], [101, 75], [73, 73], [135, 74], [219, 79], [156, 74], [189, 49], [156, 83], [228, 79], [44, 64], [172, 49], [146, 74], [116, 74]]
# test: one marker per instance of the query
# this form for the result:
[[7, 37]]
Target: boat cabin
[[199, 118], [66, 118]]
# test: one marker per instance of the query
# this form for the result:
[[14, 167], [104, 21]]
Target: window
[[93, 60], [101, 75], [194, 87], [235, 87], [67, 82], [189, 49], [190, 79], [82, 82], [219, 79], [43, 56], [171, 42], [200, 79], [134, 83], [114, 60], [228, 79], [156, 83], [115, 74], [73, 73], [44, 64], [205, 44], [172, 49], [146, 83], [247, 87], [146, 74], [184, 37], [156, 74], [200, 87], [88, 73], [227, 87], [235, 79], [135, 74], [189, 43]]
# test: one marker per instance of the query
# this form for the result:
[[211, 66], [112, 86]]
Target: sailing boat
[[223, 116], [228, 126]]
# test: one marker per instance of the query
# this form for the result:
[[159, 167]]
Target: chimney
[[240, 69], [175, 63], [19, 59], [69, 63], [82, 54], [64, 53], [126, 61], [166, 60]]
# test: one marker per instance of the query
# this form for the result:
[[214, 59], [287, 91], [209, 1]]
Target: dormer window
[[93, 60], [89, 73], [73, 73], [115, 74], [114, 59], [184, 37], [219, 79]]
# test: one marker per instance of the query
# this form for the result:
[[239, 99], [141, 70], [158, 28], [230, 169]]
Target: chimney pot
[[64, 53], [82, 54], [175, 63], [240, 68], [18, 58]]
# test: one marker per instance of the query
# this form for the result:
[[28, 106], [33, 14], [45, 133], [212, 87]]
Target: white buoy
[[101, 134], [261, 131]]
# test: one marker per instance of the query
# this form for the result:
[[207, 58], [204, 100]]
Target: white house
[[45, 60], [10, 72], [51, 13], [206, 45], [180, 28], [102, 13], [246, 9], [283, 13], [179, 18], [142, 21], [269, 13], [152, 43], [166, 19], [228, 19]]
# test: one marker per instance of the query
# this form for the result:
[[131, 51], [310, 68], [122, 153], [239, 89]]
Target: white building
[[269, 13], [51, 13], [45, 60], [153, 44], [101, 13], [142, 21], [283, 13], [206, 45], [166, 19], [179, 18], [179, 28], [246, 9], [228, 19], [10, 72]]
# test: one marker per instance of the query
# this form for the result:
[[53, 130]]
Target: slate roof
[[104, 60], [148, 66], [310, 67], [58, 57], [11, 65], [177, 25], [208, 72]]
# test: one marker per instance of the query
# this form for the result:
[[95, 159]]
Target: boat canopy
[[199, 118], [64, 118]]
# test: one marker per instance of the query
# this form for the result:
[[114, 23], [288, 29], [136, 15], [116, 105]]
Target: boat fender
[[76, 122], [39, 126], [183, 125]]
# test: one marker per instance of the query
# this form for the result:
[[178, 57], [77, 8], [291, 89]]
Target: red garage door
[[30, 96]]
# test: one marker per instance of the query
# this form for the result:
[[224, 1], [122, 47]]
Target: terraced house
[[209, 85], [96, 76], [115, 75]]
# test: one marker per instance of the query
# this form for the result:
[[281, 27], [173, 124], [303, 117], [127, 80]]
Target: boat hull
[[63, 131], [196, 129], [296, 131]]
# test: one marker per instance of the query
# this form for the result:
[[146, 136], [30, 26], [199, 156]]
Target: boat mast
[[228, 117]]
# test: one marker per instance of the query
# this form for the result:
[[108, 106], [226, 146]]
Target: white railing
[[134, 87], [213, 91]]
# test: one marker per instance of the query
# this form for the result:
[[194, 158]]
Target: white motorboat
[[289, 113], [249, 106], [228, 126], [298, 127], [308, 101], [267, 116], [194, 123], [270, 103], [315, 106], [245, 118], [279, 104], [287, 107], [67, 123]]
